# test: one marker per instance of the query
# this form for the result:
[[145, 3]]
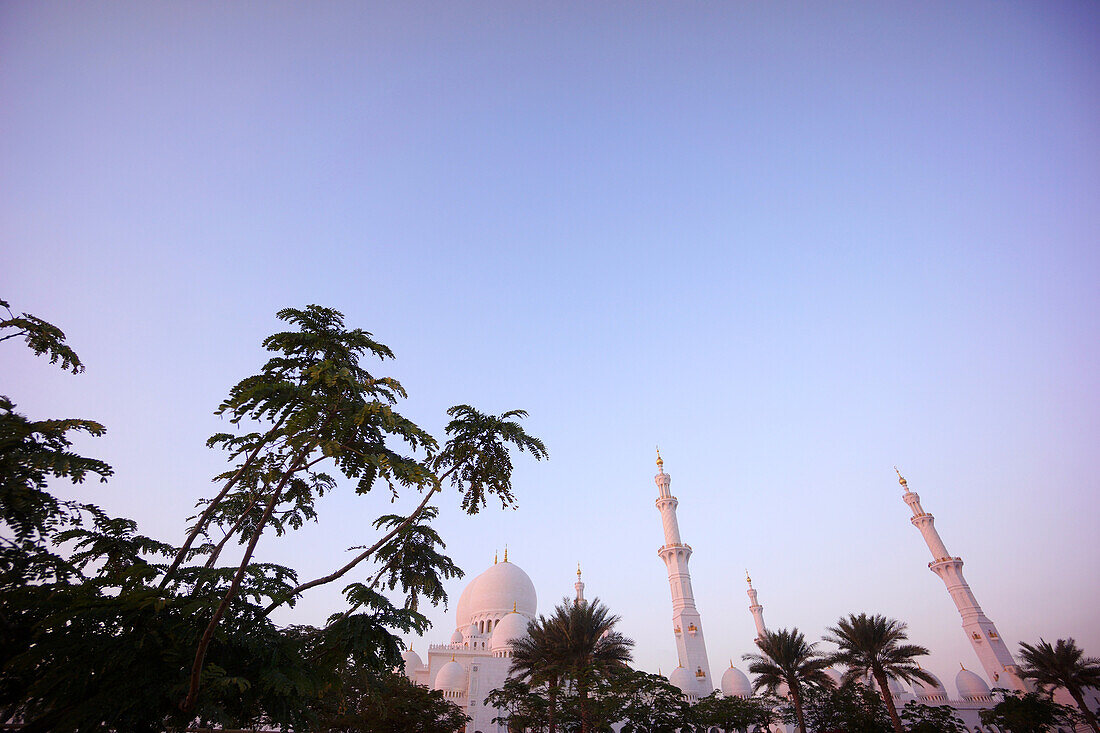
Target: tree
[[577, 645], [851, 707], [523, 707], [318, 405], [920, 718], [731, 713], [370, 702], [1062, 665], [1026, 712], [643, 703], [98, 623], [873, 645], [786, 658]]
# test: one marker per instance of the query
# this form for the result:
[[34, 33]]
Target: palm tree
[[1062, 665], [785, 657], [873, 645], [575, 645]]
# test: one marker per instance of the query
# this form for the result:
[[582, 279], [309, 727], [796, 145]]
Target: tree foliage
[[731, 713], [373, 702], [920, 718], [1029, 712]]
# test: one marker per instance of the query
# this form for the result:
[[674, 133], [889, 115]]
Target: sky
[[792, 244]]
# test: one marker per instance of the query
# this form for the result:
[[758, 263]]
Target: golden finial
[[506, 553], [962, 667], [731, 664], [494, 557], [452, 656], [513, 606], [901, 479], [660, 463], [578, 570], [747, 578]]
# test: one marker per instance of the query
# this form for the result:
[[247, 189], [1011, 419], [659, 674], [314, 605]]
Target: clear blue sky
[[794, 244]]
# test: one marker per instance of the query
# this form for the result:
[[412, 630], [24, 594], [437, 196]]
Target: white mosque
[[495, 608]]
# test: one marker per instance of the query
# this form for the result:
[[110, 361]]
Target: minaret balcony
[[674, 546]]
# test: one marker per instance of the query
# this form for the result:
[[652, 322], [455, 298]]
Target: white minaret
[[686, 624], [999, 665], [579, 586], [755, 608]]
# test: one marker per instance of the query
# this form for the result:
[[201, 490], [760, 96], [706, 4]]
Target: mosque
[[495, 608]]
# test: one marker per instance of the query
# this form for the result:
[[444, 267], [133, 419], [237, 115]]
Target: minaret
[[690, 647], [755, 609], [999, 665], [579, 586]]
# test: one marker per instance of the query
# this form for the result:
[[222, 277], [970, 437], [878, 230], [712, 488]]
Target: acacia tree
[[851, 707], [1028, 712], [731, 713], [873, 645], [1062, 665], [786, 658], [96, 635], [314, 405], [920, 718]]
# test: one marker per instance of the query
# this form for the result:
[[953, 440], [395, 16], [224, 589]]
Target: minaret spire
[[995, 657], [579, 586], [755, 609], [687, 626]]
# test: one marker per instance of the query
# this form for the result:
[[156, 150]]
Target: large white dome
[[735, 683], [497, 591]]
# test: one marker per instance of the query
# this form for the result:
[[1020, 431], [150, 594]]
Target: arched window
[[481, 627]]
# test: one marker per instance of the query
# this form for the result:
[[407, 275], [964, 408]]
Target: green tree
[[852, 708], [522, 707], [643, 703], [372, 702], [921, 718], [1062, 665], [874, 645], [786, 658], [577, 645], [97, 621], [1026, 713], [731, 713]]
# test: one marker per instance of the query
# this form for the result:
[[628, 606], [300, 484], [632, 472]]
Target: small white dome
[[511, 627], [456, 637], [472, 630], [681, 678], [836, 677], [451, 677], [735, 683], [496, 591], [926, 691], [971, 686], [412, 662], [783, 690]]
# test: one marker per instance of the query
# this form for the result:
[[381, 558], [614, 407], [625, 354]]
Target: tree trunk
[[796, 698], [1090, 717], [887, 697], [553, 706]]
